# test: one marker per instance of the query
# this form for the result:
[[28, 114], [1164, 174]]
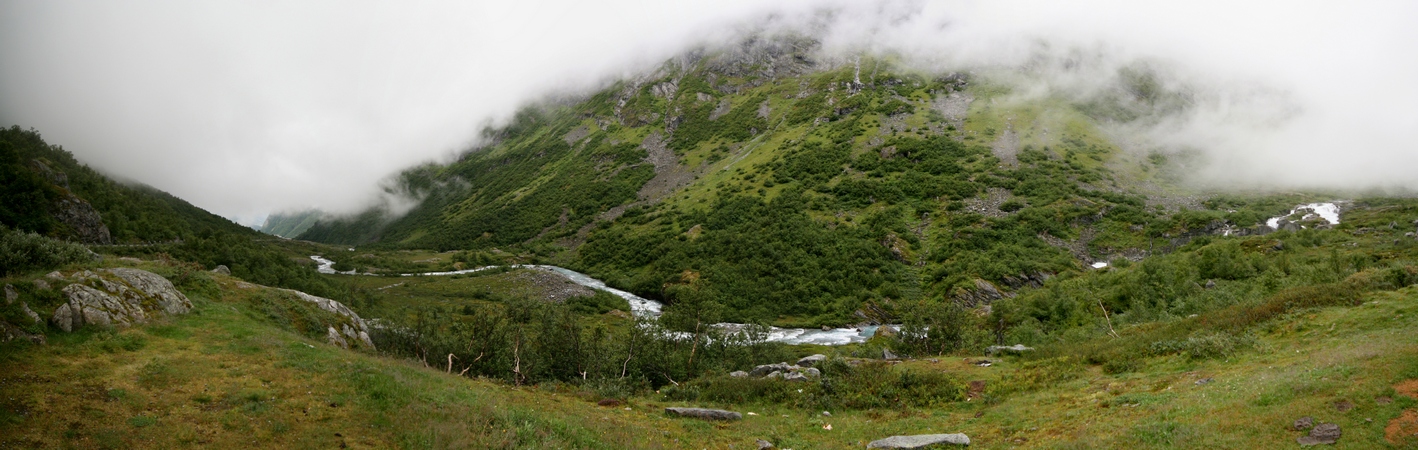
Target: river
[[645, 307]]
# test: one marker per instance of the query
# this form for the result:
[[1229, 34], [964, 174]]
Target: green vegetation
[[290, 225], [23, 252], [792, 199]]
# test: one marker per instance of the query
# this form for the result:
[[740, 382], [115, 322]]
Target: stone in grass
[[703, 413], [1322, 434], [921, 441], [1304, 423], [809, 361], [738, 374], [764, 445]]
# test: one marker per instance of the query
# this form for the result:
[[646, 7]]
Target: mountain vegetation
[[809, 192], [764, 185]]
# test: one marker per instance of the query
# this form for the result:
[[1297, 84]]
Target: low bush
[[22, 252]]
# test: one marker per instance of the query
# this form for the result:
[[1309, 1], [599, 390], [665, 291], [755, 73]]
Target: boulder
[[809, 361], [34, 316], [333, 338], [765, 369], [222, 270], [1304, 423], [1016, 348], [794, 376], [812, 372], [11, 294], [921, 441], [885, 331], [118, 297], [887, 355], [1322, 434], [356, 329], [738, 374], [763, 445], [774, 375], [703, 413], [40, 284]]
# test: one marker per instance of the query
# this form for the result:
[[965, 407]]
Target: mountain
[[810, 190], [48, 192], [1038, 280], [290, 225]]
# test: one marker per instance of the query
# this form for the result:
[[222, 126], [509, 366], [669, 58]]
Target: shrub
[[20, 252]]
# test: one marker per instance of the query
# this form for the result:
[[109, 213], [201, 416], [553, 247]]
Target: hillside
[[290, 225], [48, 192], [238, 372], [815, 191], [1011, 265]]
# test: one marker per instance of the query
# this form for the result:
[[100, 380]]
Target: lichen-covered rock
[[809, 361], [221, 270], [704, 413], [769, 368], [333, 338], [921, 441], [355, 330], [118, 297]]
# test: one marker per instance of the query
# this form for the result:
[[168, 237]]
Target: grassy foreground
[[225, 377]]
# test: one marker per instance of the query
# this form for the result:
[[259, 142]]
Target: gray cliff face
[[119, 297], [77, 214]]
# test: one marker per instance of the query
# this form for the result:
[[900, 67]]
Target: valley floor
[[223, 378]]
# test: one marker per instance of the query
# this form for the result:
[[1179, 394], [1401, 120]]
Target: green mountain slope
[[812, 192], [47, 191], [290, 225]]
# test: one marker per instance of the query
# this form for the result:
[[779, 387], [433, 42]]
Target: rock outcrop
[[119, 297], [79, 215], [703, 413], [352, 327], [921, 441], [809, 361], [766, 369]]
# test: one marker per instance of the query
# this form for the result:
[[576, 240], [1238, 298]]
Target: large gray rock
[[809, 361], [703, 413], [222, 270], [738, 374], [811, 372], [794, 376], [769, 368], [118, 297], [11, 294], [921, 441]]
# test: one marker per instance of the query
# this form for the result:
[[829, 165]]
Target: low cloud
[[247, 108]]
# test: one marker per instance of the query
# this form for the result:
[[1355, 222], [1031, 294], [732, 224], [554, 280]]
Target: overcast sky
[[246, 108]]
